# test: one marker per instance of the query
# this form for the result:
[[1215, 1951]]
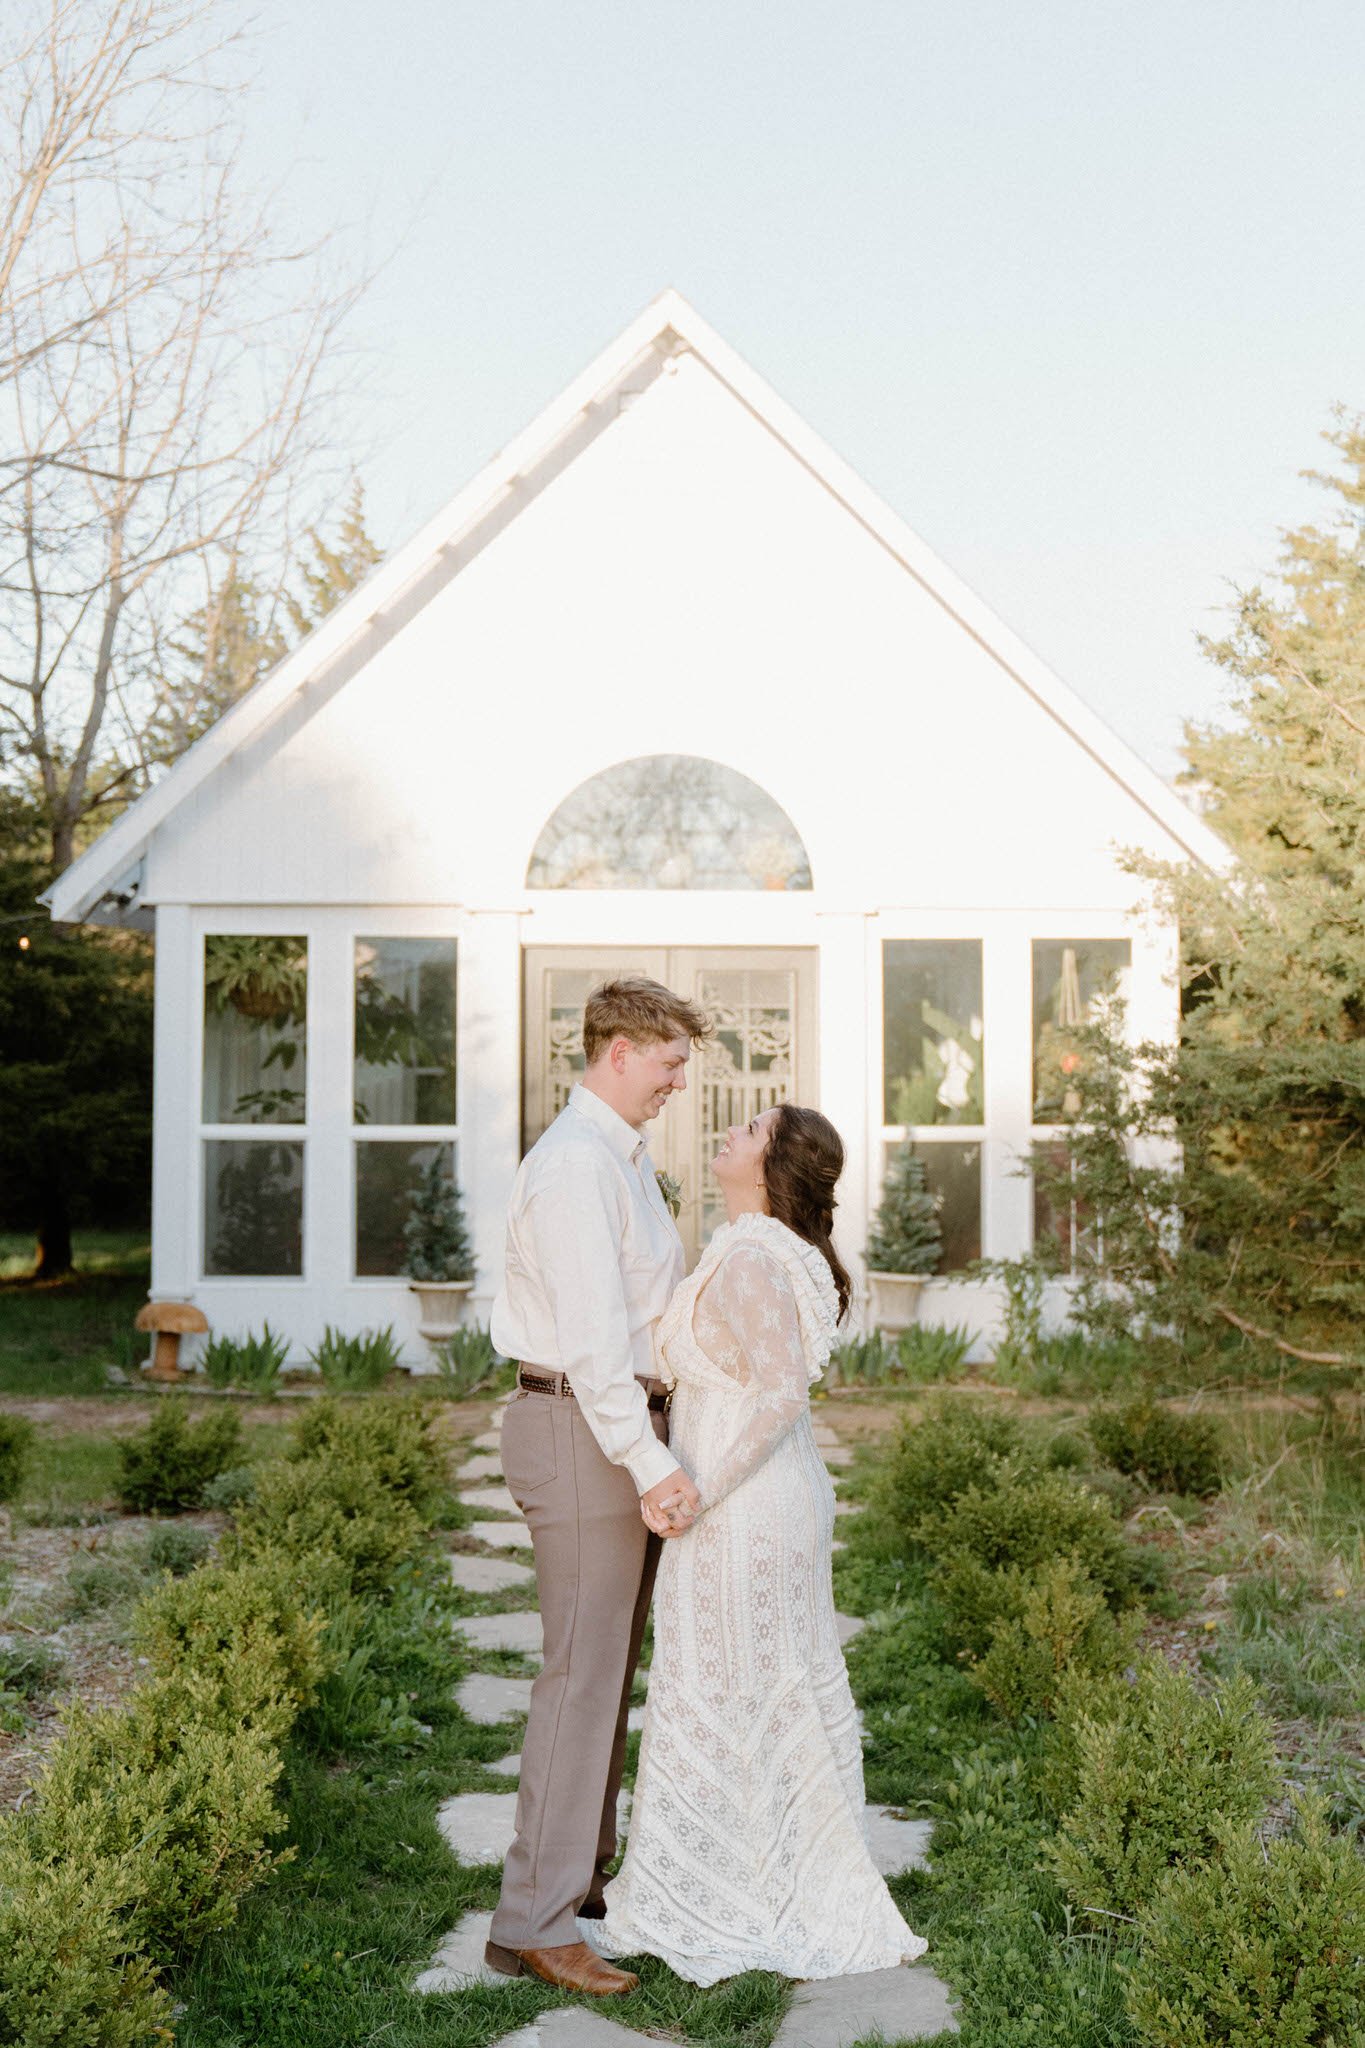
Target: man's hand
[[670, 1507]]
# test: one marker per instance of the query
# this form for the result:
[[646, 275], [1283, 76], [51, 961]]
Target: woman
[[746, 1847]]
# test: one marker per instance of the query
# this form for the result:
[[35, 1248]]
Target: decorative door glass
[[763, 1006], [746, 1067]]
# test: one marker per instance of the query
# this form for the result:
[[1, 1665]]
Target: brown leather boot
[[571, 1967]]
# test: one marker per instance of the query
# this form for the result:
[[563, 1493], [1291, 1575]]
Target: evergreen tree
[[905, 1235], [75, 1058], [435, 1234], [1258, 1226], [335, 568]]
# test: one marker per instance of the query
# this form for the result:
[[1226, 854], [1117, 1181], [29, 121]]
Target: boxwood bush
[[1264, 1945], [1174, 1453], [956, 1444], [165, 1467], [1160, 1784]]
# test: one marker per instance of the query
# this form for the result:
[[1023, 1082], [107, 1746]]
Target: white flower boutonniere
[[671, 1190]]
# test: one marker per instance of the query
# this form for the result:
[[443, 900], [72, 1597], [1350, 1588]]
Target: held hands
[[670, 1508]]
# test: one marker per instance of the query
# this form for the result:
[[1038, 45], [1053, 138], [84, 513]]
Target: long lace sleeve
[[746, 1321]]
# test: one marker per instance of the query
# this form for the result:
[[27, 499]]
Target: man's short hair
[[641, 1010]]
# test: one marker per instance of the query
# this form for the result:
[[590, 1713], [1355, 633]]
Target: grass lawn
[[59, 1336]]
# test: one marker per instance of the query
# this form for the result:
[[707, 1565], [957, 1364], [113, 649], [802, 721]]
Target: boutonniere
[[671, 1190]]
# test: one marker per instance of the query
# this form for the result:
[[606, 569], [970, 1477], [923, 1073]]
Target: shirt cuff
[[650, 1462]]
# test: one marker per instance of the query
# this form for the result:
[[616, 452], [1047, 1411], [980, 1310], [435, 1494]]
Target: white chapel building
[[666, 688]]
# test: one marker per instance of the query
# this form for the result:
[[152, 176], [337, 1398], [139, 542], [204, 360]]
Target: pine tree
[[1258, 1227], [334, 570], [905, 1235], [435, 1234]]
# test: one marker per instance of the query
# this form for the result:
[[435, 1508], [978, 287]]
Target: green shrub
[[243, 1640], [1062, 1624], [230, 1489], [16, 1444], [1266, 1945], [189, 1803], [29, 1666], [1161, 1784], [68, 1976], [1020, 1523], [253, 1363], [343, 1521], [467, 1362], [358, 1364], [392, 1442], [176, 1550], [956, 1444], [166, 1466], [102, 1581], [380, 1657], [1175, 1453]]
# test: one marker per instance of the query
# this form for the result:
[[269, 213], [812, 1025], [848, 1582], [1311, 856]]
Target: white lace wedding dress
[[746, 1848]]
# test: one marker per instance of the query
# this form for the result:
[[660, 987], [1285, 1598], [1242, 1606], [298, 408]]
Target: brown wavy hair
[[802, 1162], [641, 1010]]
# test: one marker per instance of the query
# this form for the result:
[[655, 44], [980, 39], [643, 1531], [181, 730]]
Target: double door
[[761, 1002]]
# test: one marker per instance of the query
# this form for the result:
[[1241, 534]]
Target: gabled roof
[[103, 883]]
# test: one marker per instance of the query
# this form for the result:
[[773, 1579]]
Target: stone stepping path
[[501, 1535], [488, 1465], [521, 1632], [908, 2004], [487, 1574], [493, 1500]]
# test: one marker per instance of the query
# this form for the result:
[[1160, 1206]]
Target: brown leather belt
[[543, 1379]]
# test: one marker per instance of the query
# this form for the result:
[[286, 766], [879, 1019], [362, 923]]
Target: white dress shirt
[[593, 1256]]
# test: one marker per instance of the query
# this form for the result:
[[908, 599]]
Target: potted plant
[[439, 1259], [903, 1244]]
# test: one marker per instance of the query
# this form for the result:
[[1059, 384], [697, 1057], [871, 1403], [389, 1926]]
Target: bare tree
[[168, 370]]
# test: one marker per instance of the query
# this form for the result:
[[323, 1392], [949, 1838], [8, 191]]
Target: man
[[593, 1255]]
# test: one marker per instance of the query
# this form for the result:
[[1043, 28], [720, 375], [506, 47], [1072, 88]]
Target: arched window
[[669, 821]]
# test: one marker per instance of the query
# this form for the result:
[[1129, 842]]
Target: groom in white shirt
[[593, 1255]]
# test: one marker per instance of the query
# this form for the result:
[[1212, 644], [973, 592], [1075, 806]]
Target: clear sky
[[1074, 285]]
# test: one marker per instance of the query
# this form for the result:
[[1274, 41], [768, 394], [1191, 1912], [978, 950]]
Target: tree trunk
[[54, 1241]]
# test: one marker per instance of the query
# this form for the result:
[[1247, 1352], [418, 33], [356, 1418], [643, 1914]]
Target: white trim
[[666, 327]]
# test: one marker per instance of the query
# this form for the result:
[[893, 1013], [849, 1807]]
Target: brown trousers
[[595, 1566]]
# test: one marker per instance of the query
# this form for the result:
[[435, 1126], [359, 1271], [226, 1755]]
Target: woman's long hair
[[801, 1163]]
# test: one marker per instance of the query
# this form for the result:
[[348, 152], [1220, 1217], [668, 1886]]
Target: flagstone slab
[[493, 1500], [488, 1574], [491, 1440], [575, 2026], [506, 1766], [897, 1845], [479, 1826], [841, 1507], [521, 1632], [459, 1962], [488, 1465], [488, 1699], [849, 1626], [908, 2004], [837, 1455], [823, 1434], [501, 1535]]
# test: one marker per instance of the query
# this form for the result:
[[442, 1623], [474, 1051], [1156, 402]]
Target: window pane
[[1067, 1226], [405, 1031], [952, 1173], [669, 821], [387, 1174], [932, 1031], [255, 1046], [1071, 978], [253, 1206]]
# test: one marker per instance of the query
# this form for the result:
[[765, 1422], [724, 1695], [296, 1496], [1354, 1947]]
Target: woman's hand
[[671, 1516]]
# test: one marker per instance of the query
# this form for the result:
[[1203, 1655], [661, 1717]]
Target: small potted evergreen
[[439, 1260], [903, 1244]]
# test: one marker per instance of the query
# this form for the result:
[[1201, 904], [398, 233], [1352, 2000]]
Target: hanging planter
[[265, 979]]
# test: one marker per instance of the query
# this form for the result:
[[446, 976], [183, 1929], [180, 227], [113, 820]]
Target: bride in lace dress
[[746, 1847]]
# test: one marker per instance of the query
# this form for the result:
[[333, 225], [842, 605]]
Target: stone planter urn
[[441, 1307], [894, 1304]]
